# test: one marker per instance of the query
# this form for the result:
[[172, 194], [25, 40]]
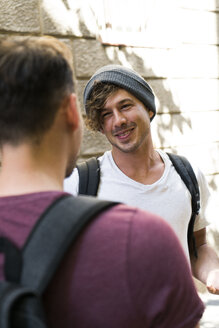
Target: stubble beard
[[130, 148]]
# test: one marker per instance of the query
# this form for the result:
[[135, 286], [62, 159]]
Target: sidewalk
[[210, 317]]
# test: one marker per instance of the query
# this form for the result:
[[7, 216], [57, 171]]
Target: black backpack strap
[[89, 177], [55, 231], [185, 170], [20, 307], [13, 259]]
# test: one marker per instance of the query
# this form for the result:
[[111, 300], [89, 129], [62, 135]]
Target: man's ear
[[151, 114], [73, 115]]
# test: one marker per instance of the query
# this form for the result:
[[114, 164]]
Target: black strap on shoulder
[[89, 177], [185, 170], [13, 259], [55, 231]]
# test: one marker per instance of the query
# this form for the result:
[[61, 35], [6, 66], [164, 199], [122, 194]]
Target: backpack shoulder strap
[[185, 170], [56, 230], [89, 177]]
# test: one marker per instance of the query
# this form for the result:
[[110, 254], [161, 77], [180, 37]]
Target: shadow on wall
[[164, 97], [65, 3], [167, 127]]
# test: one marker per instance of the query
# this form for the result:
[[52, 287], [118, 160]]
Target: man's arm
[[206, 267]]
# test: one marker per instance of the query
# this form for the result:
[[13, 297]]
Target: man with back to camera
[[120, 104], [110, 278]]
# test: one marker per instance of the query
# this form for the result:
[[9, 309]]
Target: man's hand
[[206, 267], [212, 282]]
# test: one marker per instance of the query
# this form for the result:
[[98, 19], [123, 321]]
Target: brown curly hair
[[98, 97]]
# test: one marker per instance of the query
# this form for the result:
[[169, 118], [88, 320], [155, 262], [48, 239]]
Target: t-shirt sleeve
[[161, 286], [202, 220], [71, 183]]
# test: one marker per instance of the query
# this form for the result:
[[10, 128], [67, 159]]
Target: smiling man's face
[[125, 121]]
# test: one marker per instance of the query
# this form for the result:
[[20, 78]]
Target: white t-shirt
[[168, 197]]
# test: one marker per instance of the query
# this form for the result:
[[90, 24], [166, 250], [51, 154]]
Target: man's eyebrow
[[119, 103], [124, 100]]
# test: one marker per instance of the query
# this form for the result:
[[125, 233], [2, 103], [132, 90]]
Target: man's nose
[[119, 118]]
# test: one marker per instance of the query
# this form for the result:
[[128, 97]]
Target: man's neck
[[144, 167], [24, 172]]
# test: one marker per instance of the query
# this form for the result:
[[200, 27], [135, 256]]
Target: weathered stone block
[[93, 144], [201, 26], [79, 87], [20, 16], [186, 95], [205, 156], [172, 130], [148, 62], [213, 210], [197, 4], [91, 55], [73, 18], [193, 61]]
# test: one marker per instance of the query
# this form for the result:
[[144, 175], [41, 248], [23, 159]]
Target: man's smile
[[123, 132]]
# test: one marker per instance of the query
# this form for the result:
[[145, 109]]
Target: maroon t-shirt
[[126, 270]]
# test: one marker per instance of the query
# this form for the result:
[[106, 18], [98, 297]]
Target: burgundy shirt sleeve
[[161, 287]]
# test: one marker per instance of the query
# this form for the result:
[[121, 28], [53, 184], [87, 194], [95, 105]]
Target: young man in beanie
[[109, 278], [120, 104]]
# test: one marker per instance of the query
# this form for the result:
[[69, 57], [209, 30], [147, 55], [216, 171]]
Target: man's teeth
[[123, 134]]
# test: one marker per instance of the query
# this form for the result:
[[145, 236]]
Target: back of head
[[35, 77]]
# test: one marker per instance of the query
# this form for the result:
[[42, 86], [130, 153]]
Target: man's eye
[[125, 106], [104, 115]]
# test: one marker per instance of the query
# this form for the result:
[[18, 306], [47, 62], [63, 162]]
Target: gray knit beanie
[[126, 79]]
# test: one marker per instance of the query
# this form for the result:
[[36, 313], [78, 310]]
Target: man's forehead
[[118, 97]]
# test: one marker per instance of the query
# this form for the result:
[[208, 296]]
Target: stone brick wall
[[183, 73]]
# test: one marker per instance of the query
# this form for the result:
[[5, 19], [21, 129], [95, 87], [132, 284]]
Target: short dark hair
[[98, 97], [35, 76]]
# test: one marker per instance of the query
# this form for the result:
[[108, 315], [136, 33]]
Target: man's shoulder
[[105, 158], [31, 198], [140, 221]]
